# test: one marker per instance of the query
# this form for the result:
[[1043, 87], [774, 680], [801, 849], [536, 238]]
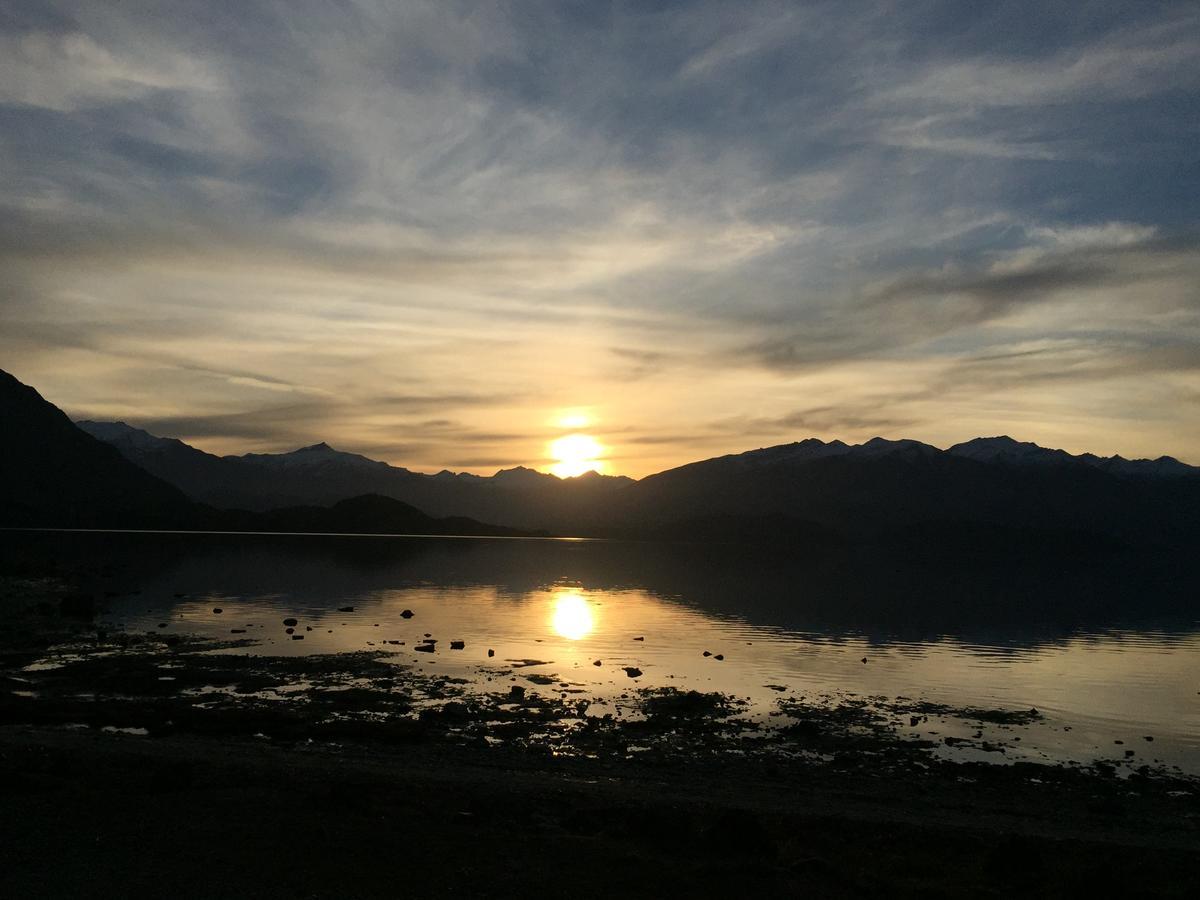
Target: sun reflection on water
[[572, 617]]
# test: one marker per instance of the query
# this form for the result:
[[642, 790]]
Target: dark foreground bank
[[95, 814], [143, 765]]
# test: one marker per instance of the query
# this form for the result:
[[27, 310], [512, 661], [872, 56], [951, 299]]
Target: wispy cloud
[[266, 225]]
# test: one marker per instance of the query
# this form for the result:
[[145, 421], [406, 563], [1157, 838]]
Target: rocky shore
[[149, 765]]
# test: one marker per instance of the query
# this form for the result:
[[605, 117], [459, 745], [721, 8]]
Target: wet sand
[[145, 765]]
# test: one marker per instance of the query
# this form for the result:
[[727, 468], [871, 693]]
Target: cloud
[[416, 213], [67, 71], [1095, 266]]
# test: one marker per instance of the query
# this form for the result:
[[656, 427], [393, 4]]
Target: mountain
[[54, 474], [321, 476], [912, 492], [994, 491], [1004, 450]]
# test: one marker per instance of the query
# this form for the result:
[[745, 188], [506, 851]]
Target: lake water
[[1107, 651]]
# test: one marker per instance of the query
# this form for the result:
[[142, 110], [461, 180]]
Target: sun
[[572, 616], [575, 454]]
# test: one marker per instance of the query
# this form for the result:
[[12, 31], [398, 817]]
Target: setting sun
[[572, 616], [575, 454]]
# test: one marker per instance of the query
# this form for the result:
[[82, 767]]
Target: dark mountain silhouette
[[1006, 451], [367, 514], [912, 492], [320, 476], [986, 492], [55, 475]]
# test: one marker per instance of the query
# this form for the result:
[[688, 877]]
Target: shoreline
[[146, 765]]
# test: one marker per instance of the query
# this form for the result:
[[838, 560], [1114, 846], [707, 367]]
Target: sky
[[447, 234]]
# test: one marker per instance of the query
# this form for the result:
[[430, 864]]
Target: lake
[[1108, 651]]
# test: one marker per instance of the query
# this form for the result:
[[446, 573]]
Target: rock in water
[[407, 614], [633, 671], [291, 623], [457, 645]]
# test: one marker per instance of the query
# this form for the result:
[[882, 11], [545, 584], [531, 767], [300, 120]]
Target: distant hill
[[367, 514]]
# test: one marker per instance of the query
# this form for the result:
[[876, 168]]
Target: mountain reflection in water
[[1107, 649]]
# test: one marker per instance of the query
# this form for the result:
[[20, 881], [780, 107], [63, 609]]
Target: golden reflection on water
[[572, 616]]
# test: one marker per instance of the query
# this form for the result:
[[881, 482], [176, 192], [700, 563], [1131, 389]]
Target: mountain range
[[986, 489], [320, 475], [54, 474]]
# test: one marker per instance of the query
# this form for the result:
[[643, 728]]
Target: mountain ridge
[[54, 474], [1000, 448], [868, 491], [809, 493]]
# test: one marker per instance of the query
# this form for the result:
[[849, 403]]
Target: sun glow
[[573, 419], [575, 454], [572, 617]]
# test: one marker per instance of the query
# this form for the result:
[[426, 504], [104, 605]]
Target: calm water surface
[[1106, 654]]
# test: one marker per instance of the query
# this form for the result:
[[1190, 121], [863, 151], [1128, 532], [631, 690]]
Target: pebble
[[290, 622], [218, 610], [407, 614]]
